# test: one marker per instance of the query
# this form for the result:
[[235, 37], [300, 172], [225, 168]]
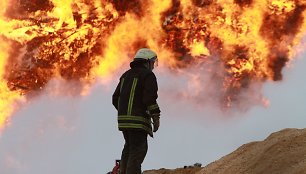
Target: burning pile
[[246, 41]]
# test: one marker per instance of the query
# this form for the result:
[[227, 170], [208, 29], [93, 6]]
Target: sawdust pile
[[283, 152]]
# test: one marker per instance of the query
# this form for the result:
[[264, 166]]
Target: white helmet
[[146, 54]]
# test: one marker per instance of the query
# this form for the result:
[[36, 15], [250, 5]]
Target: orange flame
[[246, 41]]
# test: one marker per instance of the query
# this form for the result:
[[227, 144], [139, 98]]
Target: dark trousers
[[134, 151]]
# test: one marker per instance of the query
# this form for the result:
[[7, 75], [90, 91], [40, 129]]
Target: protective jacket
[[135, 99]]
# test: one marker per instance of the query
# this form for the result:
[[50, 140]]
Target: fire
[[246, 41]]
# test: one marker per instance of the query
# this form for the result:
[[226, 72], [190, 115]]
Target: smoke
[[60, 131], [202, 86]]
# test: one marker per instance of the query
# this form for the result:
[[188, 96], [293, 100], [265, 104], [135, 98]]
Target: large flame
[[246, 41]]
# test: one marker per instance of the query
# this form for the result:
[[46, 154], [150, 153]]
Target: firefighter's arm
[[150, 97], [116, 95]]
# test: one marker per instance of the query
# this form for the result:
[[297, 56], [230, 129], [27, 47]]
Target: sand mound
[[283, 152]]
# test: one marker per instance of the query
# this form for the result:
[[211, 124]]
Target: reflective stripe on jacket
[[135, 99]]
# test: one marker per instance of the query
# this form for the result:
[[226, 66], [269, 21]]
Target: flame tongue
[[245, 41]]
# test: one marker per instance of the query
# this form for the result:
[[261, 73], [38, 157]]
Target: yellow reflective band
[[132, 96], [121, 84], [137, 118], [155, 106], [132, 125], [120, 92]]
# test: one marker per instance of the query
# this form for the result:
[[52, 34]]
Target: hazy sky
[[78, 135]]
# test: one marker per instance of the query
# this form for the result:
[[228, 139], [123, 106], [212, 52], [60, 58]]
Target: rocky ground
[[283, 152]]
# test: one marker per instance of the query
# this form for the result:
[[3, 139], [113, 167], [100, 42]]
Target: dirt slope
[[283, 152]]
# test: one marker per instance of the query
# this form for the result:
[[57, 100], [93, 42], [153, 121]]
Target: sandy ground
[[283, 152]]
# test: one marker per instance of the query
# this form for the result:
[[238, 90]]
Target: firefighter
[[135, 100]]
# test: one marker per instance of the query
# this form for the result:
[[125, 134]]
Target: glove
[[156, 123]]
